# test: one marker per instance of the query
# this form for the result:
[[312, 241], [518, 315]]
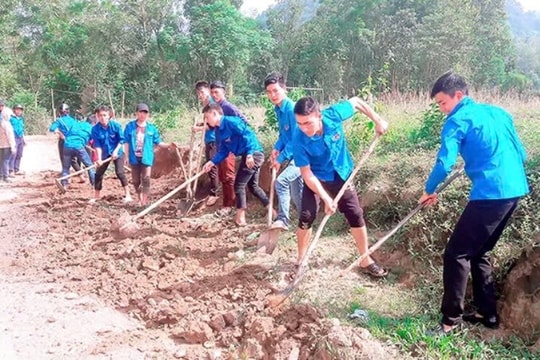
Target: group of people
[[314, 162], [11, 140], [105, 142], [312, 153]]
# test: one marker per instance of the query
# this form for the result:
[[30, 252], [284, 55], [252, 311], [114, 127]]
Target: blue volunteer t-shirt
[[287, 126], [108, 138], [235, 136], [326, 154]]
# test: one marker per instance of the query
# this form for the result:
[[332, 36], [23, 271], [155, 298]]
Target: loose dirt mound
[[520, 308], [192, 279]]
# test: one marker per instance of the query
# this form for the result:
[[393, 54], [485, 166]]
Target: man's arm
[[358, 104]]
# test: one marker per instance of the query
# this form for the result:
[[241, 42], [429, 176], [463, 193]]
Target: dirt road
[[182, 288]]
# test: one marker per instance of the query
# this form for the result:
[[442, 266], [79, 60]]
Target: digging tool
[[280, 298], [417, 209], [126, 224], [58, 181], [269, 237], [185, 205]]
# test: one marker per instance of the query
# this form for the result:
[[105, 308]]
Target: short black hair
[[213, 106], [449, 83], [217, 84], [306, 106], [201, 85], [274, 78], [103, 108]]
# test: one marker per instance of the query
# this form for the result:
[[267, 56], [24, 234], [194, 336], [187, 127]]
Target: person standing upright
[[227, 168], [289, 183], [485, 137], [7, 141], [17, 121]]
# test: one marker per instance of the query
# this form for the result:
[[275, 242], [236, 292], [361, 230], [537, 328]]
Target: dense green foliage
[[87, 52]]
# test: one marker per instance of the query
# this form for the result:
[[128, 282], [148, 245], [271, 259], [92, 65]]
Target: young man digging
[[237, 138], [289, 183], [485, 137], [320, 151], [108, 138]]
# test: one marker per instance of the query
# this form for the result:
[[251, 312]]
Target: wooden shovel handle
[[167, 196], [271, 197], [84, 170]]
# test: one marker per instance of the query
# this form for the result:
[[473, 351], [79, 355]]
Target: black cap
[[217, 84], [18, 106], [142, 107]]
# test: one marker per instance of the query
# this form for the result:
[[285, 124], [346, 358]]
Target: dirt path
[[182, 288]]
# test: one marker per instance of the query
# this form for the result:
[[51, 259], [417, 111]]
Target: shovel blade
[[269, 240], [60, 186], [185, 206], [124, 227]]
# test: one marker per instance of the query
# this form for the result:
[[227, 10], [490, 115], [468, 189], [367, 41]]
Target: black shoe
[[491, 322]]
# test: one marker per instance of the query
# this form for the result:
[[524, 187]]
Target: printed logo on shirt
[[286, 127], [336, 137]]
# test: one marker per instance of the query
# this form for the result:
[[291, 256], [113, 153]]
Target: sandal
[[374, 270]]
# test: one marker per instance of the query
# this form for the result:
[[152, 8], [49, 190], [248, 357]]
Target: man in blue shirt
[[320, 151], [203, 94], [75, 135], [108, 138], [289, 183], [56, 126], [17, 122], [485, 137], [237, 138], [227, 168]]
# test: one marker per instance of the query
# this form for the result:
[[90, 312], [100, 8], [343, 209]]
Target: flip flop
[[374, 270]]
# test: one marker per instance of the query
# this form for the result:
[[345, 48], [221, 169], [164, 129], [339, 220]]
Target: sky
[[255, 7]]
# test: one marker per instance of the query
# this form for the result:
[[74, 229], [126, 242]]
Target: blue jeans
[[68, 155], [289, 184]]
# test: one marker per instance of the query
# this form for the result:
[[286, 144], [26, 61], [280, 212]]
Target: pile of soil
[[193, 283]]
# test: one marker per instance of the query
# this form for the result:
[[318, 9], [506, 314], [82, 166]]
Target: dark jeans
[[249, 177], [69, 155], [5, 154], [75, 162], [118, 168], [210, 150], [15, 159], [140, 176], [349, 204], [476, 233]]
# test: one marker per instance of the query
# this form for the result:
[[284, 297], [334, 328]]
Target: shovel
[[387, 236], [58, 181], [269, 237], [126, 225], [278, 299], [185, 205]]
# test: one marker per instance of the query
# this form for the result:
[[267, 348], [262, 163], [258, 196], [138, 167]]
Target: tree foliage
[[90, 51]]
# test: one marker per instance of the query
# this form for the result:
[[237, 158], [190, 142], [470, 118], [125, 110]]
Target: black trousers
[[250, 178], [476, 233], [118, 168]]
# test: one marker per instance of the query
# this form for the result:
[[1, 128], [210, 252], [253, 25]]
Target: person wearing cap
[[289, 183], [227, 168], [7, 141], [237, 138], [17, 122], [210, 148], [58, 127], [140, 137], [108, 140]]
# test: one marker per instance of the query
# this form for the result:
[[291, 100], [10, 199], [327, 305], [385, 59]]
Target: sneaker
[[491, 322], [212, 200], [11, 174], [92, 201], [18, 172], [279, 224], [439, 331], [127, 200]]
